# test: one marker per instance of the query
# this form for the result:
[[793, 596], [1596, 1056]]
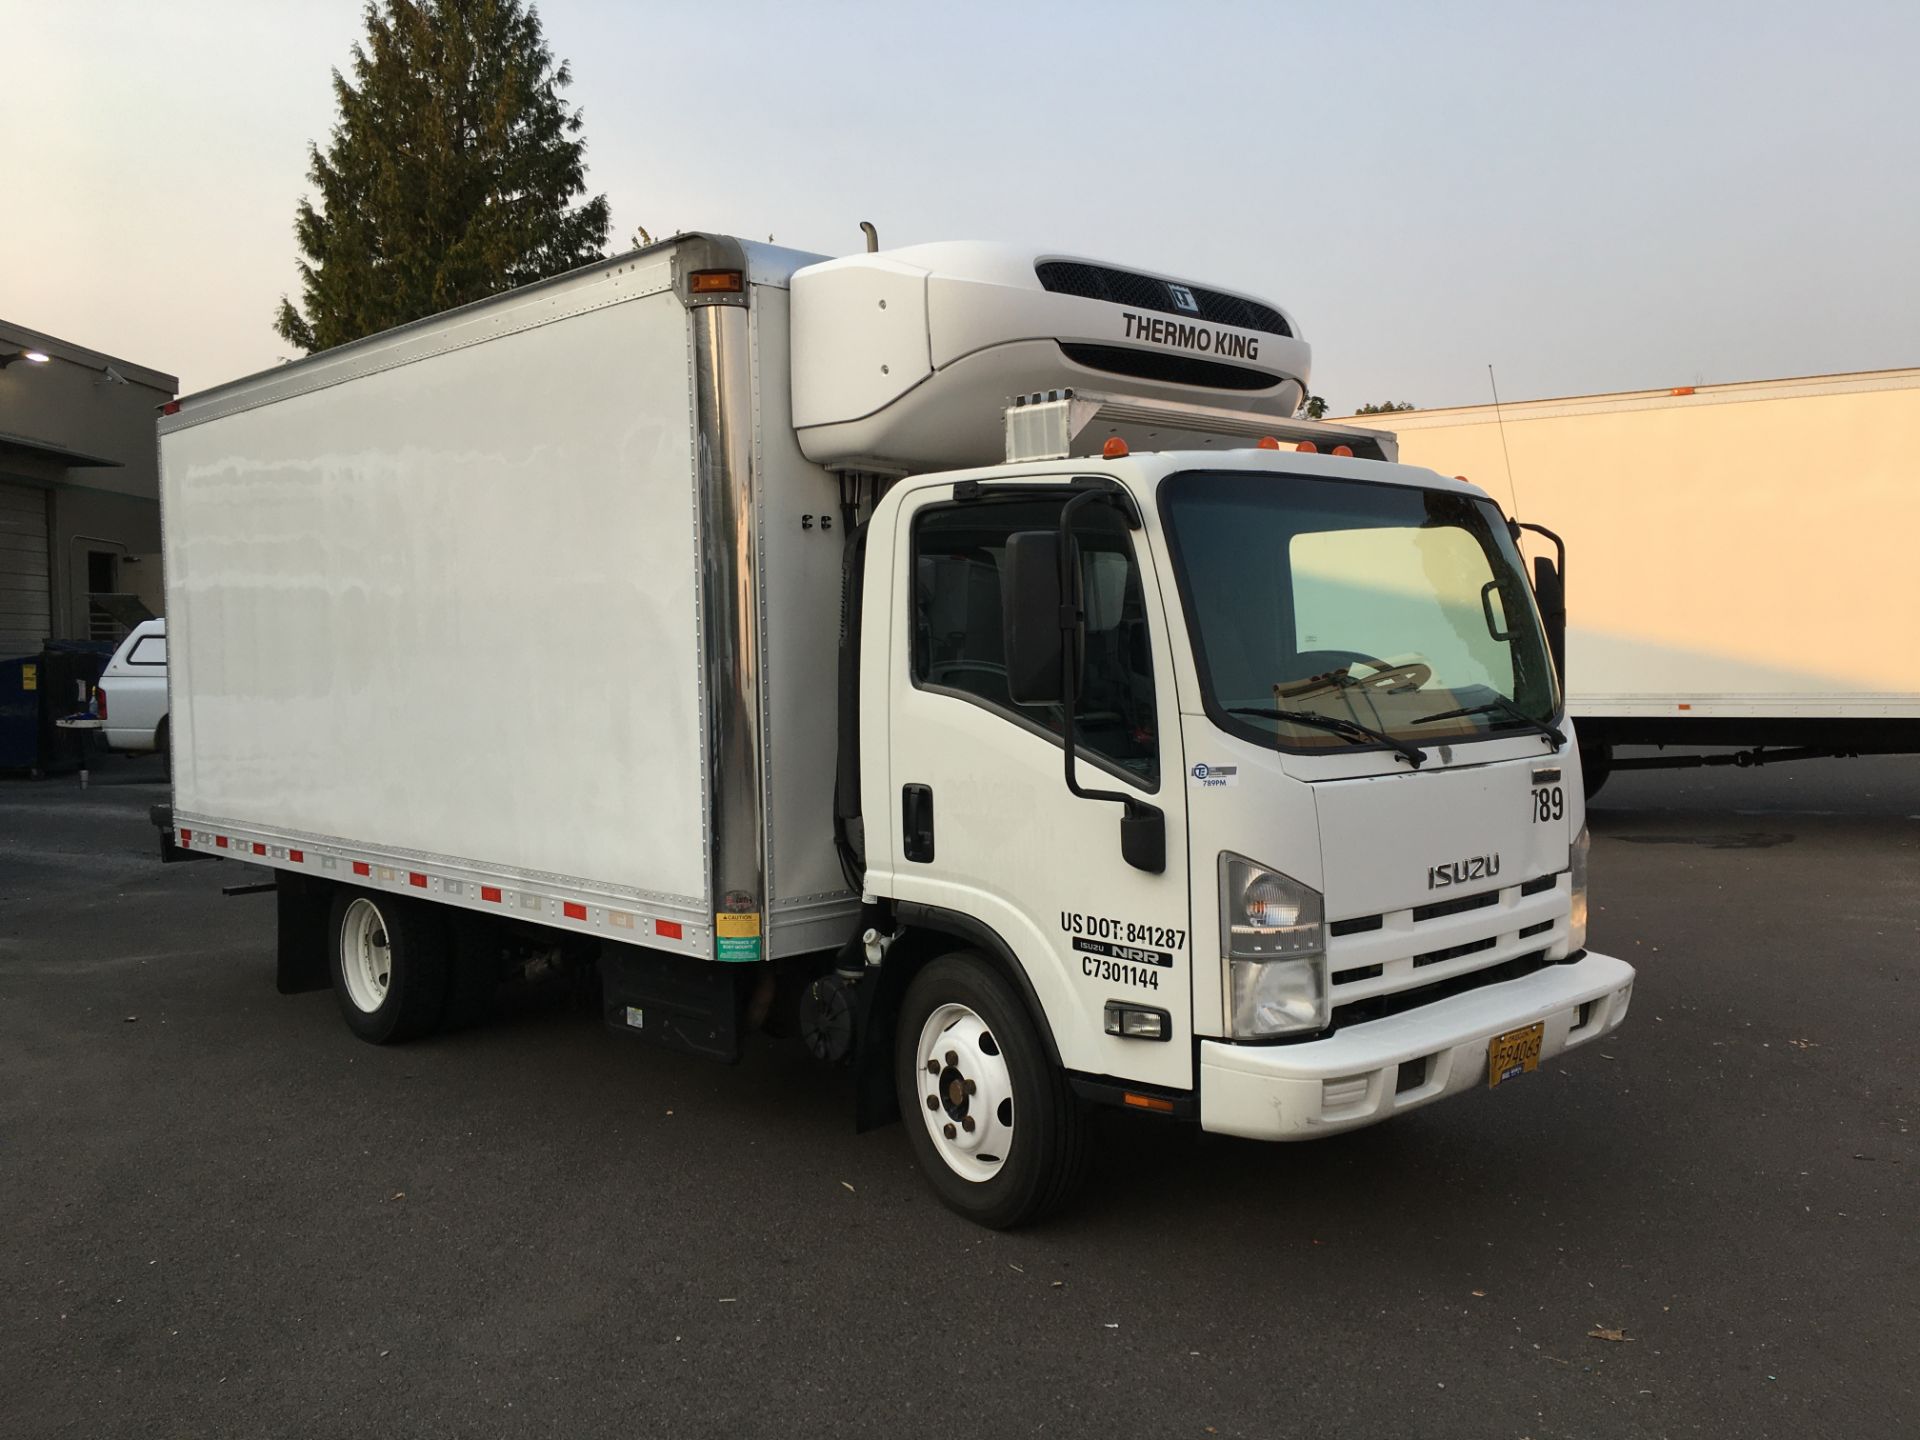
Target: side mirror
[[1030, 606], [1550, 589]]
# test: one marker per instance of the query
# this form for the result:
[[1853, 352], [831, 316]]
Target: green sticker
[[743, 947]]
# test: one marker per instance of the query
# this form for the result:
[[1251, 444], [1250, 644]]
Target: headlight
[[1278, 997], [1577, 868], [1271, 928], [1263, 912]]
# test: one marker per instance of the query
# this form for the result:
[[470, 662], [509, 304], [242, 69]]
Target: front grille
[[1454, 907], [1396, 1002], [1409, 951], [1359, 925], [1170, 369], [1144, 292], [1454, 952]]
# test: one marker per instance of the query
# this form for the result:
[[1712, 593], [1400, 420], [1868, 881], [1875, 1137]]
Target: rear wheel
[[999, 1135], [389, 964]]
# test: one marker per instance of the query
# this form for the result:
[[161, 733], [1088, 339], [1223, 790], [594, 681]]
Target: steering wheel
[[1402, 679], [1388, 678]]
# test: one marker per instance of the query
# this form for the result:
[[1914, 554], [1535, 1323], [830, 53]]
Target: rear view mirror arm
[[1143, 840]]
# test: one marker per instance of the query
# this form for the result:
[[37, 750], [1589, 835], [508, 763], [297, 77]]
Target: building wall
[[80, 431]]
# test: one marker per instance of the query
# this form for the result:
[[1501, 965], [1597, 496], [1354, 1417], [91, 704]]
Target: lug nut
[[947, 1131], [933, 1067], [952, 1059], [971, 1087], [966, 1123], [933, 1102]]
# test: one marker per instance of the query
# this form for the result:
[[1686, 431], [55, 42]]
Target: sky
[[1596, 197]]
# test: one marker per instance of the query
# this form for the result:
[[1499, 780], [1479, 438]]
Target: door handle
[[916, 822]]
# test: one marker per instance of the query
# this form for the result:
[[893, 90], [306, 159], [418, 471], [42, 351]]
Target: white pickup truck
[[131, 698]]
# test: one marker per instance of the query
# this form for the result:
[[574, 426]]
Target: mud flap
[[300, 929]]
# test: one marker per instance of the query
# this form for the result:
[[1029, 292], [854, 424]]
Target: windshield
[[1320, 606]]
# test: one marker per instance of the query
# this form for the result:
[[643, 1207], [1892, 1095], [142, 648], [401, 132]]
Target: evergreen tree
[[451, 173]]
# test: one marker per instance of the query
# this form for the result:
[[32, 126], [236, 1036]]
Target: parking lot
[[224, 1216]]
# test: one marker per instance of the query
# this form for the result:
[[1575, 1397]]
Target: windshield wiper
[[1348, 729], [1500, 705]]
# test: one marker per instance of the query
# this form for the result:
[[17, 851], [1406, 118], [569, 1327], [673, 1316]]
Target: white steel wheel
[[388, 956], [966, 1090], [366, 955], [1001, 1138]]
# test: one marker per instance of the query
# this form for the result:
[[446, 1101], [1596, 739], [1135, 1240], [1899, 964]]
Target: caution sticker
[[736, 935]]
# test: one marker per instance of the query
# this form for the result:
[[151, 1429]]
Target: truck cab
[[1318, 854]]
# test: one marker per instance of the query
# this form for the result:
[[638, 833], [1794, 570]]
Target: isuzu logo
[[1460, 872], [1183, 299]]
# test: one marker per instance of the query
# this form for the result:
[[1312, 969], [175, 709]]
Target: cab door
[[980, 820]]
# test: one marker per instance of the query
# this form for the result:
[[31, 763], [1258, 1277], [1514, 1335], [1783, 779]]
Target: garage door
[[25, 619]]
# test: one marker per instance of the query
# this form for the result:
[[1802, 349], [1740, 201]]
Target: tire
[[1029, 1142], [388, 959], [1596, 764]]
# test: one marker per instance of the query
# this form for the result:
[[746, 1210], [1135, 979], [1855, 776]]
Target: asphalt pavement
[[222, 1215]]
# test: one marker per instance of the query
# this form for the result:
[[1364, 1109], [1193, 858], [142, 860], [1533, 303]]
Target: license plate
[[1514, 1053]]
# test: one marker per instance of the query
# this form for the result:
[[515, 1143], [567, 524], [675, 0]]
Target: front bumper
[[1354, 1076]]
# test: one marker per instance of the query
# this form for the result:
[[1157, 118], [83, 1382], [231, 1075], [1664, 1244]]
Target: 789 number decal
[[1549, 803]]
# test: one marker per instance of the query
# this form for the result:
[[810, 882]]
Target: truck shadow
[[1462, 1174]]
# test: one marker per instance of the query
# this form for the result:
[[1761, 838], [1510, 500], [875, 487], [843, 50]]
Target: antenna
[[1512, 495]]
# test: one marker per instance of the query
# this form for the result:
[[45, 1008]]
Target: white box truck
[[1742, 577], [711, 612]]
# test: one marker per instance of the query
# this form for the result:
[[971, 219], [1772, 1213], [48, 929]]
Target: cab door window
[[959, 640]]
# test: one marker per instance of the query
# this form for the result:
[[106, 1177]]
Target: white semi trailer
[[712, 612], [1714, 602]]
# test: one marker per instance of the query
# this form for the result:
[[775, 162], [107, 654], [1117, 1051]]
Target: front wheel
[[389, 962], [1000, 1135]]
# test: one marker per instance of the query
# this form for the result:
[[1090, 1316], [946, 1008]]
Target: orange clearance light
[[1346, 450], [1114, 448], [1463, 479], [716, 282], [1148, 1102], [1267, 442], [1681, 390], [1307, 447]]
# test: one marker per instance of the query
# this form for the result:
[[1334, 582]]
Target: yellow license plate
[[1514, 1053]]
